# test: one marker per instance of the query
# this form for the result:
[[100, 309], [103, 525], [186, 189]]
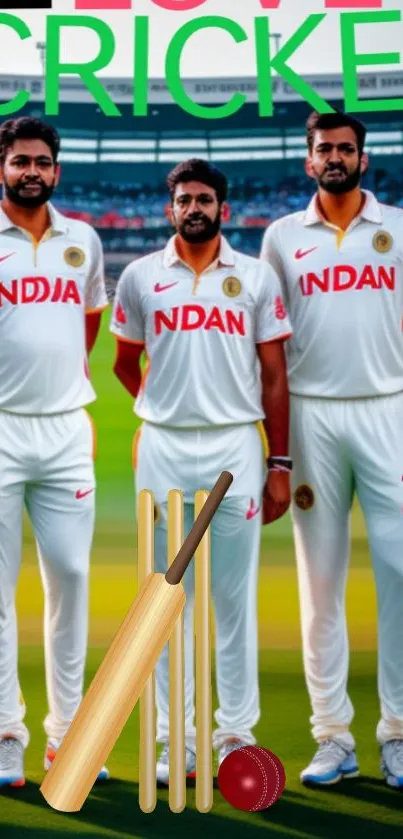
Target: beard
[[198, 228], [346, 182], [16, 195]]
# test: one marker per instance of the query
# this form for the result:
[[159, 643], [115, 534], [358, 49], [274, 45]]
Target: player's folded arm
[[275, 395], [272, 358], [127, 366], [92, 324], [275, 401]]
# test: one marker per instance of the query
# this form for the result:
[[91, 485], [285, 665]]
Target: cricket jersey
[[200, 335], [45, 290], [344, 295]]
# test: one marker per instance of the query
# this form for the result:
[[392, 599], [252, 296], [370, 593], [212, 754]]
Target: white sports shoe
[[50, 754], [392, 763], [11, 762], [229, 746], [330, 764], [162, 771]]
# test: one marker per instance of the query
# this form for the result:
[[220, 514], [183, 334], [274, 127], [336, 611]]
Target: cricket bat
[[122, 676]]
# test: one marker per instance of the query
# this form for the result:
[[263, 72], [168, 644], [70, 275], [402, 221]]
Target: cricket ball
[[251, 778]]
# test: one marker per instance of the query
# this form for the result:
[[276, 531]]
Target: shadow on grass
[[112, 811], [371, 791]]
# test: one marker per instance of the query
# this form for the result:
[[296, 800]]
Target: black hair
[[326, 122], [198, 170], [27, 128]]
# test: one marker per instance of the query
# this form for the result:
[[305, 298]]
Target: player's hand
[[276, 496]]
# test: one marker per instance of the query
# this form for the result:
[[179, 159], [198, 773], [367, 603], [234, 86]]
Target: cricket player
[[340, 263], [52, 294], [213, 324]]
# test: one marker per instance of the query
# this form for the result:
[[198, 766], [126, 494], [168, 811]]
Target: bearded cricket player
[[52, 294], [340, 263], [213, 325]]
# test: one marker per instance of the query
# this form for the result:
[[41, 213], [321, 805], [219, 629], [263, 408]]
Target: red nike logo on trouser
[[253, 510], [81, 493]]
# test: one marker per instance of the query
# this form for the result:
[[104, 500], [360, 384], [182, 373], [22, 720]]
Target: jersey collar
[[371, 210], [225, 258], [58, 222]]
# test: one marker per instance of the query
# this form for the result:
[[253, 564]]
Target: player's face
[[29, 174], [335, 161], [195, 212]]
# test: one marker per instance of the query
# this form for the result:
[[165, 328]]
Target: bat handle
[[194, 537]]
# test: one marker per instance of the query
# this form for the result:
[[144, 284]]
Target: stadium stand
[[114, 171]]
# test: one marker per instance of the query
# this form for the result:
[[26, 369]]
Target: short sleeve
[[96, 297], [272, 321], [127, 319], [269, 251]]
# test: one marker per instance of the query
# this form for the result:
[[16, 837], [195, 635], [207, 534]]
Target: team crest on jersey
[[304, 497], [232, 287], [382, 241], [74, 257]]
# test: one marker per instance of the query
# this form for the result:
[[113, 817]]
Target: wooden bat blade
[[124, 672], [113, 694]]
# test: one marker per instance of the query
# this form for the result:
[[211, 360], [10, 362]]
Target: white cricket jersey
[[200, 335], [344, 294], [45, 290]]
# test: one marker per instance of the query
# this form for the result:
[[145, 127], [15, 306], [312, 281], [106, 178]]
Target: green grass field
[[362, 806]]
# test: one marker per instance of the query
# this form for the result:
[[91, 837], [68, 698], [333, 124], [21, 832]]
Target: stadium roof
[[168, 133], [205, 90]]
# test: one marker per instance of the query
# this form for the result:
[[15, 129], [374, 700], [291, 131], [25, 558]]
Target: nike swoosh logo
[[252, 513], [300, 254], [82, 493], [159, 287], [7, 256]]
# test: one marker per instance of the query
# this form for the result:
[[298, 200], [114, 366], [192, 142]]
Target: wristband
[[279, 464]]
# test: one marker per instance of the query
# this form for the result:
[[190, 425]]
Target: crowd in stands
[[133, 216], [135, 206]]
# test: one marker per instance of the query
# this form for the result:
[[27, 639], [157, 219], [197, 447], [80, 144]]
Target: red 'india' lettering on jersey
[[346, 277], [43, 347], [189, 317], [40, 290]]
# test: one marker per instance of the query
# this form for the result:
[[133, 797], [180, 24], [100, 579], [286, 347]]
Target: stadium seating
[[131, 218]]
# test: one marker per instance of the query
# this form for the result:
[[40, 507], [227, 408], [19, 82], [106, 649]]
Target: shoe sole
[[342, 776], [393, 782], [18, 782]]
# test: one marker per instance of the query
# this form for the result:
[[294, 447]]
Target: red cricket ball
[[251, 778]]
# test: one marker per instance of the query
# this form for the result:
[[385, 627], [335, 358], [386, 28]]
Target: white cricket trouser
[[46, 464], [341, 447], [190, 460]]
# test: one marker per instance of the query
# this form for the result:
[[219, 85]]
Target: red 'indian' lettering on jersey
[[343, 277], [185, 318], [344, 293], [39, 290], [200, 335]]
